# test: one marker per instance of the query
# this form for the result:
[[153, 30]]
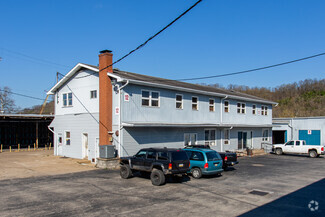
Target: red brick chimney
[[105, 97]]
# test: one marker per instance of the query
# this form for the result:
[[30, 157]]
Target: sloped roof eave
[[75, 69]]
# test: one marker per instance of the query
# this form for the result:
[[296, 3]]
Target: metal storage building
[[311, 129]]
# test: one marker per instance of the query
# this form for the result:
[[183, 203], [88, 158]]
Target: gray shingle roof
[[162, 81], [174, 83]]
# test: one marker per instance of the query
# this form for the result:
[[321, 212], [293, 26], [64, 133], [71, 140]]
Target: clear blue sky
[[216, 37]]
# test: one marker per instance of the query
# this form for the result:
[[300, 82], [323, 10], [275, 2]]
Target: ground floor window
[[265, 136], [226, 137], [190, 138], [67, 137], [210, 137]]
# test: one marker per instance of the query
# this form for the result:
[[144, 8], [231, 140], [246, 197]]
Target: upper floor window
[[179, 101], [67, 99], [195, 105], [226, 106], [241, 108], [264, 110], [150, 98], [211, 105], [93, 94], [254, 109]]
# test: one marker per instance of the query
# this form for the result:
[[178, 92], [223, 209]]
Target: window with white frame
[[195, 105], [226, 106], [190, 139], [226, 137], [254, 109], [93, 94], [67, 138], [211, 105], [179, 101], [265, 135], [263, 110], [241, 108], [67, 99], [210, 137], [150, 98]]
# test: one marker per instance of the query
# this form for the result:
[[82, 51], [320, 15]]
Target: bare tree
[[7, 104]]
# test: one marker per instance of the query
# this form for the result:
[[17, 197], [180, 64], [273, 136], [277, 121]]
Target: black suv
[[157, 161]]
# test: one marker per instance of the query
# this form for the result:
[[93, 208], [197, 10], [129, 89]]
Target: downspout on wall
[[120, 118], [291, 127], [221, 110]]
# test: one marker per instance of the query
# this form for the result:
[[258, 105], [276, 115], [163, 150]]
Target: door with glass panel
[[245, 140]]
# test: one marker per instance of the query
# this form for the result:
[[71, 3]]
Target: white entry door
[[85, 145], [59, 144]]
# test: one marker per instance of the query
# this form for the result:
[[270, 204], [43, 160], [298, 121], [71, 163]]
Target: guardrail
[[17, 148], [267, 147]]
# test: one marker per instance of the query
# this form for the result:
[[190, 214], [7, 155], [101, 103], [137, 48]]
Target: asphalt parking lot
[[293, 185]]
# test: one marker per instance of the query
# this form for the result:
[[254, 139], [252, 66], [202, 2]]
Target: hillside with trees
[[48, 109], [303, 99]]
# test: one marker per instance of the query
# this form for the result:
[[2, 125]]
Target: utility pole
[[1, 101], [57, 77]]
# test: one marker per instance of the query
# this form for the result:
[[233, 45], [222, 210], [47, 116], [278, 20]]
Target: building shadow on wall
[[307, 201]]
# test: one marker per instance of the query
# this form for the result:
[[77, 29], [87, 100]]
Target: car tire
[[312, 153], [278, 151], [157, 177], [125, 171], [196, 173]]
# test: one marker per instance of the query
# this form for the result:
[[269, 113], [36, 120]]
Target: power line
[[234, 73], [34, 58], [19, 94], [252, 70], [149, 39]]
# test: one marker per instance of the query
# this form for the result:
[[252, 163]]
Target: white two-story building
[[98, 106]]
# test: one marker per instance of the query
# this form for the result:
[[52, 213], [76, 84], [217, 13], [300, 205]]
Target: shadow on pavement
[[169, 179], [307, 201]]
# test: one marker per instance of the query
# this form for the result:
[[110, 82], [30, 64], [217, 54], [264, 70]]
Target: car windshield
[[213, 155], [179, 155]]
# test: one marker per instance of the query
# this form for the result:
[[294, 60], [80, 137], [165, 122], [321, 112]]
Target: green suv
[[204, 162]]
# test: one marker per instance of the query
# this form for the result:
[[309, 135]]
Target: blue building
[[99, 106]]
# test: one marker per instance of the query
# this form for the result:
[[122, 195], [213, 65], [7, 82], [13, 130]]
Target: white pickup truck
[[298, 147]]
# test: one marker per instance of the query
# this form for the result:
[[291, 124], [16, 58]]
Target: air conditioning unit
[[107, 151]]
